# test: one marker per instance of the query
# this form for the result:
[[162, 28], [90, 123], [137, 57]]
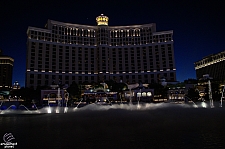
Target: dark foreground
[[168, 127]]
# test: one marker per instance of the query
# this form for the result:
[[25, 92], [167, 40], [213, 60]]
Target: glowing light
[[144, 94], [49, 110], [65, 109], [139, 94], [102, 20], [149, 94], [204, 105], [57, 110]]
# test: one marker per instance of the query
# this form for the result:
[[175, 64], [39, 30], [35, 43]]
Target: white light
[[57, 110], [149, 94], [49, 110], [65, 109], [139, 94], [204, 105], [143, 94]]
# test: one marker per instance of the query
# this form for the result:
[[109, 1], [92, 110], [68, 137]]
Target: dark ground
[[168, 127]]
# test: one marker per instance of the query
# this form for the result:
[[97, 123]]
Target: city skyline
[[198, 27]]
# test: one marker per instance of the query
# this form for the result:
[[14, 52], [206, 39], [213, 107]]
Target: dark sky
[[199, 26]]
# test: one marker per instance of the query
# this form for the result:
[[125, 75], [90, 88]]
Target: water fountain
[[131, 86], [1, 105], [34, 105], [16, 109], [221, 99], [49, 108], [24, 107], [210, 94], [11, 107], [194, 104], [138, 98]]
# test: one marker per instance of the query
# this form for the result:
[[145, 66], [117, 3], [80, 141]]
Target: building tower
[[66, 52], [6, 70], [213, 65]]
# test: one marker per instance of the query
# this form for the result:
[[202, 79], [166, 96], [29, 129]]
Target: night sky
[[199, 27]]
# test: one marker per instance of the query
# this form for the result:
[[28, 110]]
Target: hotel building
[[213, 65], [65, 52], [6, 70]]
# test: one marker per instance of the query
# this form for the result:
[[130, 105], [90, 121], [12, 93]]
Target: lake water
[[156, 126]]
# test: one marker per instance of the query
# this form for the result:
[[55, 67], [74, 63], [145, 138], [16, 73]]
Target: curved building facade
[[213, 65], [65, 52]]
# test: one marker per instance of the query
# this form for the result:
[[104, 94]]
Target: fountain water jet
[[195, 105], [10, 107], [24, 107]]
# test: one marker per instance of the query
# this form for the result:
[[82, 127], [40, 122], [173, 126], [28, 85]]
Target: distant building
[[177, 93], [213, 65], [65, 52], [6, 70]]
